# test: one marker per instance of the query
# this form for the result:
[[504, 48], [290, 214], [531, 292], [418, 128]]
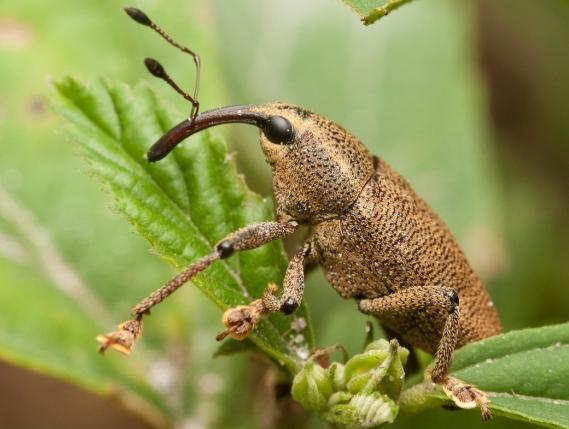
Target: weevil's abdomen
[[390, 240]]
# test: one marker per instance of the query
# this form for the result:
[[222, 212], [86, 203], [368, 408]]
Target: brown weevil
[[377, 241]]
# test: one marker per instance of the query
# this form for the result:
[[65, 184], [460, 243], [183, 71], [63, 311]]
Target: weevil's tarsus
[[240, 321], [123, 339], [142, 18], [467, 396]]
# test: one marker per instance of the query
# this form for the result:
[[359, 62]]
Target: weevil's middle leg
[[413, 312], [246, 238], [242, 320]]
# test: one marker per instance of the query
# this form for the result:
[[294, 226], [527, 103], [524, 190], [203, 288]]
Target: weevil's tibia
[[293, 285], [156, 297], [242, 320], [246, 238], [140, 17]]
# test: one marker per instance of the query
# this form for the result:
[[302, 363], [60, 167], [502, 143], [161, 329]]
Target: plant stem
[[379, 12], [420, 397]]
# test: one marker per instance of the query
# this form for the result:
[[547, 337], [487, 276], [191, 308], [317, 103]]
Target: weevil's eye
[[278, 130]]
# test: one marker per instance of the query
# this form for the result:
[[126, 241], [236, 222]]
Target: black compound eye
[[278, 130]]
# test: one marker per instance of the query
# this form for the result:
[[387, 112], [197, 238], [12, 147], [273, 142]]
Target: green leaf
[[372, 10], [524, 373], [182, 205]]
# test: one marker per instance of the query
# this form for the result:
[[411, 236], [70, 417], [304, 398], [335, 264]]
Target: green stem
[[379, 12], [421, 397]]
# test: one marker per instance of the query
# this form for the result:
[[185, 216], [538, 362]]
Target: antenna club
[[155, 68], [138, 15]]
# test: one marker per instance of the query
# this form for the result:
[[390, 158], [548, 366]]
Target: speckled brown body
[[372, 234]]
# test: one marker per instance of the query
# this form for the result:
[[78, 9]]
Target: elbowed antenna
[[242, 114], [156, 69]]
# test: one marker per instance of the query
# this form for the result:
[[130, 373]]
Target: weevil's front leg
[[242, 320], [413, 313], [246, 238]]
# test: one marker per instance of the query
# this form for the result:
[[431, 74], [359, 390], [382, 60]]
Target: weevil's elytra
[[376, 240]]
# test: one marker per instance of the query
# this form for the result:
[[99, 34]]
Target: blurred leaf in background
[[491, 159]]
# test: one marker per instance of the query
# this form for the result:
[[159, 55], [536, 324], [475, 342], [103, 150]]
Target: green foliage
[[183, 205], [524, 373]]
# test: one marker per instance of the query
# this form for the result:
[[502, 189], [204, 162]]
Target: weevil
[[377, 241]]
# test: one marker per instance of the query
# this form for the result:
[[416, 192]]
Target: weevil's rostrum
[[377, 241]]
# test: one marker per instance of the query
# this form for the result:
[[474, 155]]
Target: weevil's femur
[[242, 114]]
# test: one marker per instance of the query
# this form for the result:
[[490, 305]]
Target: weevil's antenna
[[157, 70]]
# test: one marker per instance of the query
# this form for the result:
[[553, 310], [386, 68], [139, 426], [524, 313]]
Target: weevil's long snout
[[242, 114]]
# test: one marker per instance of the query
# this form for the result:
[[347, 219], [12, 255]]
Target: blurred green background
[[469, 100]]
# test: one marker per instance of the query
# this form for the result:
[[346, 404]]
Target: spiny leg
[[242, 320], [250, 237], [406, 310]]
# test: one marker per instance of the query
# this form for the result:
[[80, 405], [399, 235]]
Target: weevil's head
[[319, 169]]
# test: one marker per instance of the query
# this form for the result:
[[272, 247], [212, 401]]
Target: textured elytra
[[390, 240]]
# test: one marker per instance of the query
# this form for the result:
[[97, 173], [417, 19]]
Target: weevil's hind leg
[[246, 238], [414, 311], [241, 321]]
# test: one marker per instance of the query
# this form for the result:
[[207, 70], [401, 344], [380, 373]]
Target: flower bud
[[363, 393], [358, 368], [337, 375], [312, 387], [363, 411]]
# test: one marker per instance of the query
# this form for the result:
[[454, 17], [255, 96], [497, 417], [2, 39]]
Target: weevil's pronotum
[[377, 241]]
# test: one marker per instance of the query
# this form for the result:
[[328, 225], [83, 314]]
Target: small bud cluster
[[362, 393]]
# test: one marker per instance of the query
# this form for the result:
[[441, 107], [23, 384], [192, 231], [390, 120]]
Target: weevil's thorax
[[322, 172]]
